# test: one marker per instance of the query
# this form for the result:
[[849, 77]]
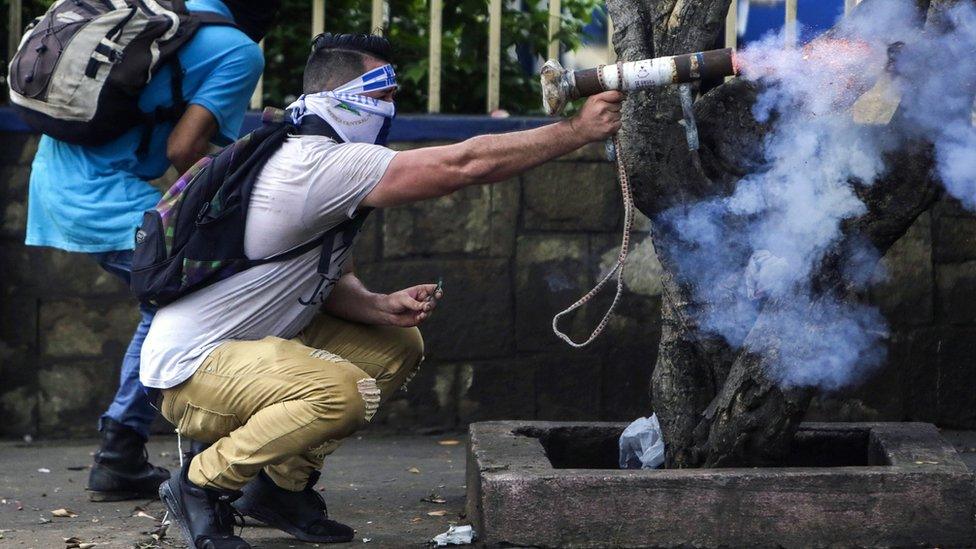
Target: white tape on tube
[[642, 74]]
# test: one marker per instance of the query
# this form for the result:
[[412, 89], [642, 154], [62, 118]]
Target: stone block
[[474, 320], [14, 180], [14, 221], [916, 355], [955, 286], [957, 379], [540, 484], [368, 243], [75, 274], [571, 196], [13, 200], [629, 356], [567, 388], [429, 401], [18, 148], [74, 394], [642, 223], [459, 223], [165, 181], [643, 271], [20, 271], [880, 395], [505, 199], [19, 408], [77, 328], [947, 206], [18, 321], [904, 277], [501, 389], [552, 272], [18, 343], [594, 152], [48, 272], [410, 145], [954, 239]]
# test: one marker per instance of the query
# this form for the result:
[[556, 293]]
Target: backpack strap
[[176, 110], [346, 231], [164, 114], [313, 125]]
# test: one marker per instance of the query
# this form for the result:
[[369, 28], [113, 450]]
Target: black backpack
[[195, 235], [81, 67]]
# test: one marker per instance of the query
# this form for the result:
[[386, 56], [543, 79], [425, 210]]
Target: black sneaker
[[204, 515], [122, 470], [301, 514]]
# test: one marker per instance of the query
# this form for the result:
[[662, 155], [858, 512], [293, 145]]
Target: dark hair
[[338, 58], [254, 17]]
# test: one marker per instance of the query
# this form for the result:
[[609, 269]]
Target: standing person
[[276, 364], [90, 199]]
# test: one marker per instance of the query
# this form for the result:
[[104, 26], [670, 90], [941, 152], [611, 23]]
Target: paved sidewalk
[[375, 484], [369, 483]]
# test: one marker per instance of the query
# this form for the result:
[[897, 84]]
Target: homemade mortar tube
[[560, 86]]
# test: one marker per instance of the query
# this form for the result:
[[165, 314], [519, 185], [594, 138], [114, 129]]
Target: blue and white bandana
[[356, 117]]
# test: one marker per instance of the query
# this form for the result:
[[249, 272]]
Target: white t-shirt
[[307, 187]]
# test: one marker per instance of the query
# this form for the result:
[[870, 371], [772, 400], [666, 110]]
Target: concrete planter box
[[546, 484]]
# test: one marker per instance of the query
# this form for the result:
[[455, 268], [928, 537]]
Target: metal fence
[[380, 11]]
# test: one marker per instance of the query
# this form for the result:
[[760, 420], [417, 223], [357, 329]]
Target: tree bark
[[716, 404]]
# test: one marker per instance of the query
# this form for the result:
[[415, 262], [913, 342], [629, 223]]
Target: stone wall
[[510, 256]]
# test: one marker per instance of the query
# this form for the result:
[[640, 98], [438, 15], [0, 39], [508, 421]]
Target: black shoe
[[204, 515], [122, 470], [301, 514]]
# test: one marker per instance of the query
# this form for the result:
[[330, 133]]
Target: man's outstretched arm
[[430, 172]]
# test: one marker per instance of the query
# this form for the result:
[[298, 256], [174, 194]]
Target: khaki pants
[[283, 405]]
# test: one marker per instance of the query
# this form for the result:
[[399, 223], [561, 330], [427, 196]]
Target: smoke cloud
[[757, 250]]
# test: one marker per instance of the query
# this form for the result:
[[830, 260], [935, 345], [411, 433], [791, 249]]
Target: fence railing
[[379, 15]]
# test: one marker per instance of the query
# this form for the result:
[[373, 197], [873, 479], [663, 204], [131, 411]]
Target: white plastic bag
[[642, 444], [455, 535]]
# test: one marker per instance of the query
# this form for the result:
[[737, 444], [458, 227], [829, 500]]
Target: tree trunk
[[716, 404]]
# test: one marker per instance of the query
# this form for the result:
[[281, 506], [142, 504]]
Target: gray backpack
[[81, 67]]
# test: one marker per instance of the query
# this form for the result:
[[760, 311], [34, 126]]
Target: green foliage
[[464, 50]]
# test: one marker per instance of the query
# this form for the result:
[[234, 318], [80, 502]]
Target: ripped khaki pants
[[282, 405]]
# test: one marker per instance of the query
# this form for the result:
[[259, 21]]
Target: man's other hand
[[599, 118], [411, 306]]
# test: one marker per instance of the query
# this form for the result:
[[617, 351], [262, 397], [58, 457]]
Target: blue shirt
[[91, 199]]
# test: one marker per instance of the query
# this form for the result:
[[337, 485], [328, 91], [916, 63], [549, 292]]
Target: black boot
[[301, 514], [122, 469], [204, 515]]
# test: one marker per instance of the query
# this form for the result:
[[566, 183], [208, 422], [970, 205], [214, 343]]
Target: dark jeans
[[132, 406]]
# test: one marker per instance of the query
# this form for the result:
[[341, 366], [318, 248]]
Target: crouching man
[[276, 365]]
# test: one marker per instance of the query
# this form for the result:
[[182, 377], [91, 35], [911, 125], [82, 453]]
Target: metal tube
[[560, 86]]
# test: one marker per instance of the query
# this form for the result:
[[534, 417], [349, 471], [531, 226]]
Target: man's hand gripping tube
[[560, 86]]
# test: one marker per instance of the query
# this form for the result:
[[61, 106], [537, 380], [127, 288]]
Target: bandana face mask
[[355, 116]]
